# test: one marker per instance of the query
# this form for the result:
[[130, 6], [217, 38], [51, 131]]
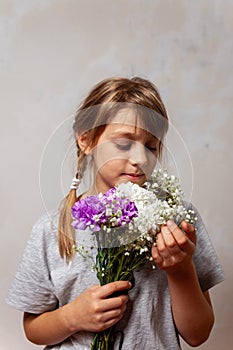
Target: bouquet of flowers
[[125, 221]]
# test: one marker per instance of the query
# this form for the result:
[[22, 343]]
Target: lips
[[133, 176]]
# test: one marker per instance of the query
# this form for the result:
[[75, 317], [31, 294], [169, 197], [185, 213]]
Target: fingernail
[[170, 223]]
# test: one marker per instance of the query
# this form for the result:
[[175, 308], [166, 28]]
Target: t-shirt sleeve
[[208, 268], [32, 289]]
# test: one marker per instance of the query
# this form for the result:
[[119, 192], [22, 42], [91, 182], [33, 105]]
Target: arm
[[92, 311], [191, 308]]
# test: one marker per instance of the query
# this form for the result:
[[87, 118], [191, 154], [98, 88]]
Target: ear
[[82, 142]]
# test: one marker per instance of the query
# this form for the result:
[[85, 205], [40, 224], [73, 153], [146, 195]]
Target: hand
[[174, 248], [95, 310]]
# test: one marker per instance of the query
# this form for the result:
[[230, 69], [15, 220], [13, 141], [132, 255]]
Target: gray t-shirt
[[45, 282]]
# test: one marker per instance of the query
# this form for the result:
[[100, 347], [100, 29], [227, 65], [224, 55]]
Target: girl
[[119, 131]]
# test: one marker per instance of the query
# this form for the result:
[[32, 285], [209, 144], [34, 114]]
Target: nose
[[138, 154]]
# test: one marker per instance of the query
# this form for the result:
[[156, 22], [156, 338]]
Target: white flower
[[159, 200], [108, 211]]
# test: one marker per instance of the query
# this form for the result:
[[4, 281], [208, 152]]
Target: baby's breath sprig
[[83, 251], [190, 217]]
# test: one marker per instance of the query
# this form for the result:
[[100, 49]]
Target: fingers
[[113, 287], [96, 310], [107, 319], [181, 239], [173, 246], [167, 241], [110, 313], [190, 231], [167, 251], [108, 293], [103, 296], [115, 303]]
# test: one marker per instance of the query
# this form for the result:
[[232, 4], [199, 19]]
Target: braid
[[65, 230], [66, 238]]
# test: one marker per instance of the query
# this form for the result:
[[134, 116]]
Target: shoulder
[[43, 234], [42, 245], [32, 289], [46, 224], [48, 221]]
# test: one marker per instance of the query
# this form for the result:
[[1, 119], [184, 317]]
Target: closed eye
[[122, 144], [152, 148]]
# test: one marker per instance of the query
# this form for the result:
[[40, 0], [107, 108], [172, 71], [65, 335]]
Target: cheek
[[111, 165], [105, 154], [151, 158], [151, 163]]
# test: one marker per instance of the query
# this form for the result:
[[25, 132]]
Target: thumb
[[190, 231], [113, 287]]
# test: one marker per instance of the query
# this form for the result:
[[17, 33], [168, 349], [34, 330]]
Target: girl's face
[[124, 152]]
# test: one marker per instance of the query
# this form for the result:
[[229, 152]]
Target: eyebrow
[[130, 135]]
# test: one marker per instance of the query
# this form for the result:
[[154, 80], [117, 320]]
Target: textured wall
[[53, 51]]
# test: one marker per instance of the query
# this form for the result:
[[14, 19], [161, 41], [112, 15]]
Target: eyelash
[[152, 149], [126, 147]]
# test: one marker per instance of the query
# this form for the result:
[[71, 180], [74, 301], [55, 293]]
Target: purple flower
[[129, 210], [107, 211], [84, 213]]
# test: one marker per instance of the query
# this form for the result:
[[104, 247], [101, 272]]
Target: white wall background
[[51, 54]]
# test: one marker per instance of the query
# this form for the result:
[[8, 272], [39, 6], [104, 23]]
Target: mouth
[[133, 176]]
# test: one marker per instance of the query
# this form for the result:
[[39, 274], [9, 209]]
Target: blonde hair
[[107, 97]]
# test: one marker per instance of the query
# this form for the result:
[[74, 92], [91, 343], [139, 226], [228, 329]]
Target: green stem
[[104, 340]]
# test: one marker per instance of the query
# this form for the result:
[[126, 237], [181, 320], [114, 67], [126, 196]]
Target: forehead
[[127, 117], [126, 123]]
